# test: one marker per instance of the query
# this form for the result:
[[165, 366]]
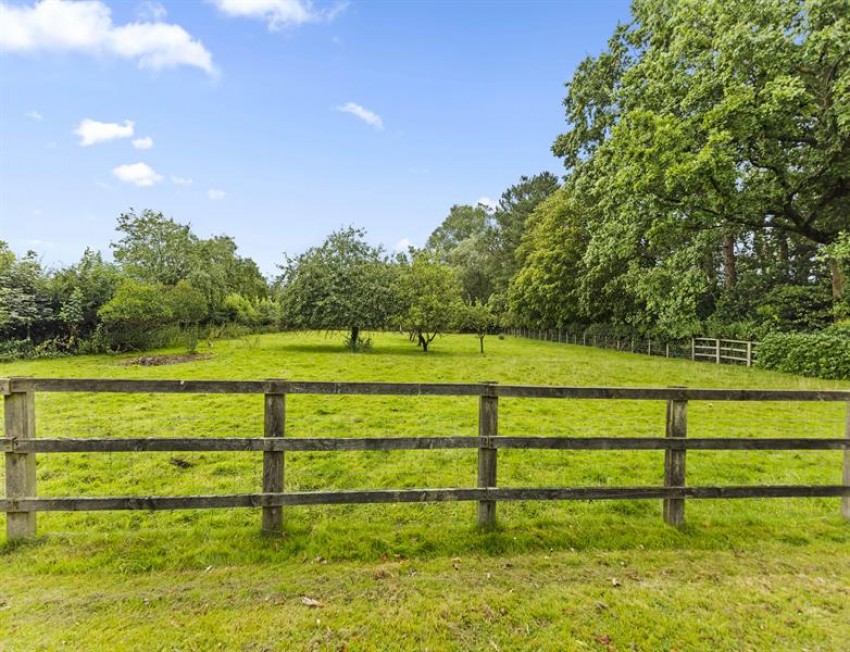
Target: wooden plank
[[389, 389], [488, 427], [156, 503], [330, 444], [5, 387], [69, 445], [666, 393], [674, 461], [273, 461], [137, 386], [19, 425], [418, 389], [671, 443]]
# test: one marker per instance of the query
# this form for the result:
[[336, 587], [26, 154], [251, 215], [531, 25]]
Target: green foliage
[[24, 301], [430, 297], [342, 284], [707, 146], [86, 286], [156, 249], [479, 318], [465, 240], [819, 355], [134, 316], [516, 204], [547, 288]]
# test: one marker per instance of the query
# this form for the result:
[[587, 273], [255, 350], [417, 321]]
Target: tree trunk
[[355, 336], [784, 255], [730, 271], [481, 341], [839, 281], [423, 343]]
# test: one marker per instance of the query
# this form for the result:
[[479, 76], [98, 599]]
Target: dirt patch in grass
[[159, 360]]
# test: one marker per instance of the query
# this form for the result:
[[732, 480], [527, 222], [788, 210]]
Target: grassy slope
[[741, 575]]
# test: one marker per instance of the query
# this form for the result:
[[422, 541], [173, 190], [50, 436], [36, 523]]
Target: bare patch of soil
[[157, 360]]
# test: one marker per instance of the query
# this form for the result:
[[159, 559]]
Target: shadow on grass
[[332, 348], [363, 534]]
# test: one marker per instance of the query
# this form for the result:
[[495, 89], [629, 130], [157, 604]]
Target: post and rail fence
[[21, 446], [697, 349]]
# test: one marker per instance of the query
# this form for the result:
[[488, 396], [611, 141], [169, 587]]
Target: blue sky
[[276, 121]]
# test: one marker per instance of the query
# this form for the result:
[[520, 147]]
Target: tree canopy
[[344, 283]]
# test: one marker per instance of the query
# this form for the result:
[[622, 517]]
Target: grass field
[[741, 575]]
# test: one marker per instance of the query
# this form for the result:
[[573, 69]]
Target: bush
[[821, 355]]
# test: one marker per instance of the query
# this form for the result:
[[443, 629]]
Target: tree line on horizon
[[706, 192]]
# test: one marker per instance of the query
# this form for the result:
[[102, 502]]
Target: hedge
[[820, 355]]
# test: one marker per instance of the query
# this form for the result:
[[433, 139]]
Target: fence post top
[[488, 387], [275, 386]]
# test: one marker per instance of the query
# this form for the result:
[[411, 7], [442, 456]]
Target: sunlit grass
[[88, 572]]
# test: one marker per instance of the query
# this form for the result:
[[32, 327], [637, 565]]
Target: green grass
[[748, 574]]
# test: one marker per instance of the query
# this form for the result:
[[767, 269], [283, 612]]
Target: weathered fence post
[[19, 419], [667, 350], [488, 426], [274, 426], [674, 461], [845, 500], [717, 350], [749, 354], [693, 349]]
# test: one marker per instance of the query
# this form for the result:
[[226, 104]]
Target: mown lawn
[[741, 575]]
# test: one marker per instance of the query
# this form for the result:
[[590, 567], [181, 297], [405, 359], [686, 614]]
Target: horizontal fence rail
[[20, 447], [697, 349]]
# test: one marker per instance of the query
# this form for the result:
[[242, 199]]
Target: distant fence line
[[20, 445], [697, 349]]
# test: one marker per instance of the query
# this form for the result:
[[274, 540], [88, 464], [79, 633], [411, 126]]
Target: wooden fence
[[697, 348], [20, 445]]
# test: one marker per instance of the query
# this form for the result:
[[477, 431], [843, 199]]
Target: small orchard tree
[[342, 284], [431, 298], [478, 317]]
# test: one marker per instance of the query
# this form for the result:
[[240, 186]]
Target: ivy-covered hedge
[[821, 355]]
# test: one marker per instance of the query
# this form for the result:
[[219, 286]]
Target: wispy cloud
[[87, 28], [367, 116], [215, 194], [139, 174], [143, 143], [33, 114], [151, 11], [402, 245], [487, 203], [92, 131], [182, 181], [278, 14]]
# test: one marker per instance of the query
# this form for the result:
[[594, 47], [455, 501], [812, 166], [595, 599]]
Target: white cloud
[[181, 181], [86, 27], [139, 174], [143, 143], [151, 11], [278, 14], [367, 116], [34, 115], [92, 131], [215, 194], [487, 203], [402, 245]]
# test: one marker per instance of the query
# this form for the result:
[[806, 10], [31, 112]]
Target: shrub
[[822, 355]]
